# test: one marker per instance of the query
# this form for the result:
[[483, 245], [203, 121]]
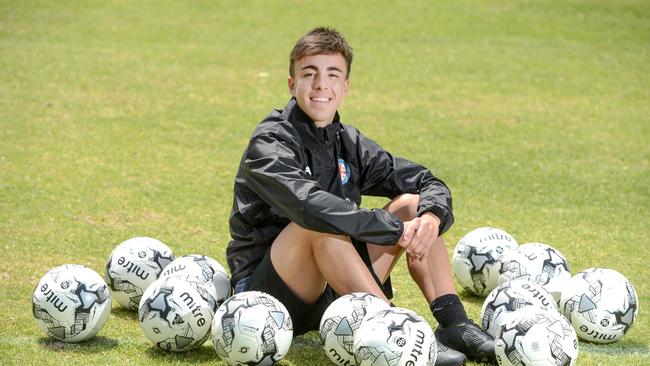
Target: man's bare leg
[[433, 276], [308, 260], [384, 258], [433, 285]]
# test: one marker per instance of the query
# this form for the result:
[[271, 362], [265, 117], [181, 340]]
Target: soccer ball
[[509, 297], [600, 303], [205, 270], [252, 328], [476, 259], [341, 320], [176, 314], [395, 337], [133, 266], [536, 337], [71, 303], [539, 263]]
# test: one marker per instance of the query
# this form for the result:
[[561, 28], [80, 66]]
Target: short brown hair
[[321, 41]]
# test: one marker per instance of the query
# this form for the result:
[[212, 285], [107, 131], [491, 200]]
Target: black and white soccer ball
[[71, 303], [509, 297], [477, 258], [395, 337], [601, 304], [536, 337], [539, 263], [206, 270], [252, 328], [341, 320], [176, 314], [133, 265]]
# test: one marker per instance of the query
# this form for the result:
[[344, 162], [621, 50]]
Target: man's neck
[[321, 124]]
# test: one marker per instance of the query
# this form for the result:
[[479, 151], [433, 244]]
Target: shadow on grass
[[203, 354], [468, 296], [124, 313], [97, 344], [307, 350]]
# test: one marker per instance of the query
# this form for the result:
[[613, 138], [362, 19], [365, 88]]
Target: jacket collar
[[306, 127]]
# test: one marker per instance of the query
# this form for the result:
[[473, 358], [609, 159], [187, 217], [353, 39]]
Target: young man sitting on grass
[[298, 230]]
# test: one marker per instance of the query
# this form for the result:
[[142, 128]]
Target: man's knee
[[409, 199], [404, 206], [295, 236], [325, 240], [308, 236], [297, 244]]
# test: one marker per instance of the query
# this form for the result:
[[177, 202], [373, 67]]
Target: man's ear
[[292, 86], [346, 86]]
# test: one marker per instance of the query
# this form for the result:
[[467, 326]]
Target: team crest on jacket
[[344, 171]]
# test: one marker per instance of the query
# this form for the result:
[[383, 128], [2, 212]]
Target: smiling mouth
[[320, 99]]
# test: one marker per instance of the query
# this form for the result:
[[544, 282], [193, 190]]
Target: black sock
[[448, 310]]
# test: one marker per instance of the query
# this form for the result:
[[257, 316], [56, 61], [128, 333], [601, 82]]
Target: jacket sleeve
[[389, 176], [273, 170]]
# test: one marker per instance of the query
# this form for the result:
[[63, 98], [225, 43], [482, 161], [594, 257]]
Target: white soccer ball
[[71, 303], [176, 314], [477, 258], [206, 270], [252, 328], [395, 337], [341, 320], [510, 296], [539, 263], [601, 304], [536, 337], [133, 266]]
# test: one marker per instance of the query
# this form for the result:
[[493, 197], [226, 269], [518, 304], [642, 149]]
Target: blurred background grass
[[122, 119]]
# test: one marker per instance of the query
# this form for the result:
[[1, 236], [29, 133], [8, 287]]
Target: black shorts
[[305, 317]]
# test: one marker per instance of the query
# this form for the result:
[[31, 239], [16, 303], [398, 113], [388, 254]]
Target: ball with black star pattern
[[341, 320], [252, 328], [476, 260], [133, 265], [601, 304], [206, 270], [176, 314], [71, 303], [539, 263], [510, 296], [395, 337], [533, 336]]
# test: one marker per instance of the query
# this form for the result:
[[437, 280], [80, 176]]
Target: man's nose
[[320, 82]]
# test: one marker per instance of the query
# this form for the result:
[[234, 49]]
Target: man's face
[[319, 85]]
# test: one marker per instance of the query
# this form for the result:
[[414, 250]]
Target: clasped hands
[[419, 234]]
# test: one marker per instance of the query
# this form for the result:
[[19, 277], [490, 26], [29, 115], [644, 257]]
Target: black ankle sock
[[448, 310]]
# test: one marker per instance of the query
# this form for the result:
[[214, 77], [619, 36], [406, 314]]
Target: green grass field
[[122, 119]]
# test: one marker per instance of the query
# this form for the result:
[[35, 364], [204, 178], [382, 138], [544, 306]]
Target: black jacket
[[295, 171]]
